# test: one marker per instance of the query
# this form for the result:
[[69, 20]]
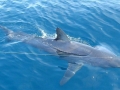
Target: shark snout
[[115, 62]]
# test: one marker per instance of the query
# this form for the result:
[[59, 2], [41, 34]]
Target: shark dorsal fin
[[61, 35]]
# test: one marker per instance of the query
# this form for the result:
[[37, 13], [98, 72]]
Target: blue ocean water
[[95, 22]]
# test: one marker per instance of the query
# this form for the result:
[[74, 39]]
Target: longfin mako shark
[[75, 53]]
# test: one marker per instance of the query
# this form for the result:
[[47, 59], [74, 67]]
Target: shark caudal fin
[[6, 30]]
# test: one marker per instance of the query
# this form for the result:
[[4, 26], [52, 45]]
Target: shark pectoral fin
[[71, 70]]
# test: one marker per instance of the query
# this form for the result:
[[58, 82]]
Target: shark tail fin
[[6, 30]]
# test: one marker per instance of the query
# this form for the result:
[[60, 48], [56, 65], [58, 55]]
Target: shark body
[[75, 53]]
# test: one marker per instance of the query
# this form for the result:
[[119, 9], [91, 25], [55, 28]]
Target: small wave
[[53, 36], [105, 48]]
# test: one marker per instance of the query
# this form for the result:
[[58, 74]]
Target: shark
[[75, 53]]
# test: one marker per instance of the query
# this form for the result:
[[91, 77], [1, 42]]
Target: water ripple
[[87, 21]]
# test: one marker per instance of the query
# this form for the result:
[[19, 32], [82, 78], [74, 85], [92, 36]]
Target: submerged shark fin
[[71, 70], [61, 35], [6, 30]]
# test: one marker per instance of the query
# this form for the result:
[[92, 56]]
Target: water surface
[[95, 22]]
